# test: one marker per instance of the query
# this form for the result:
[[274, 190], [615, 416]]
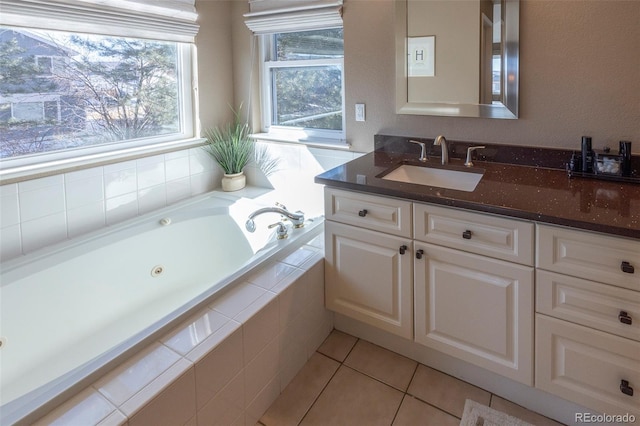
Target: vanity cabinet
[[588, 318], [369, 265], [469, 303], [382, 252]]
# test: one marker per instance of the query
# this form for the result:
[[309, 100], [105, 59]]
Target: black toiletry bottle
[[625, 152], [575, 163], [587, 155]]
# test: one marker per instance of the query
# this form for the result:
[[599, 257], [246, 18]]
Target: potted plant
[[231, 146]]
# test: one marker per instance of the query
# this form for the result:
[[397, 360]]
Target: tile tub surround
[[39, 212], [528, 192], [227, 363]]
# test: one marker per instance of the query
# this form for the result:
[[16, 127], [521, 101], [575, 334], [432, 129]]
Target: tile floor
[[349, 381]]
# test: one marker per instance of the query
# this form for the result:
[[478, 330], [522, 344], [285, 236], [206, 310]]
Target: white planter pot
[[233, 182]]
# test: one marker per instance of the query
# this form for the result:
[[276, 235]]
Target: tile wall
[[40, 212]]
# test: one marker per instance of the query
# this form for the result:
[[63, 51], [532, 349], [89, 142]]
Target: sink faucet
[[297, 219], [440, 140]]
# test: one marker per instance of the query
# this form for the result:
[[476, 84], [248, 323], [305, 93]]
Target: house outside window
[[99, 90], [44, 65], [303, 85], [94, 81]]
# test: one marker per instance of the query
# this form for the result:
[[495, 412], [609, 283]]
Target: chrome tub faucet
[[297, 218]]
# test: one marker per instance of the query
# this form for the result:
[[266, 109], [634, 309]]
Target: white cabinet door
[[475, 308], [367, 277], [592, 368]]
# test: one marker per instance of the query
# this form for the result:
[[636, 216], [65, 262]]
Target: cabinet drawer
[[587, 366], [587, 255], [368, 211], [604, 307], [487, 235]]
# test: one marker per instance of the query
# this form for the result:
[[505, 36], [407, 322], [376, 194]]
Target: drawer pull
[[625, 318], [403, 249], [419, 254], [363, 213], [625, 388], [627, 268], [466, 235]]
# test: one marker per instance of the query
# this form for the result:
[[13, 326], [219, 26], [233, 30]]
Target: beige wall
[[580, 68], [215, 62], [580, 75]]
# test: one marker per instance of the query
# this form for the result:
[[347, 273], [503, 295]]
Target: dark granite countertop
[[545, 195]]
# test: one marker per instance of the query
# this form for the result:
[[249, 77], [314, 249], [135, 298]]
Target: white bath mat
[[476, 414]]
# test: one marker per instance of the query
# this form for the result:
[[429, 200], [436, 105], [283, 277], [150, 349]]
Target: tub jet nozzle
[[250, 225]]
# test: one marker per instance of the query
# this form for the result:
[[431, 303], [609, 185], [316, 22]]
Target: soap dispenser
[[587, 155], [625, 153]]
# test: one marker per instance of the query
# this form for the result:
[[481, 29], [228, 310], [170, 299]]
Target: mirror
[[457, 58]]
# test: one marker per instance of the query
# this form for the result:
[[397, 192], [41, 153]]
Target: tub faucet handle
[[281, 232]]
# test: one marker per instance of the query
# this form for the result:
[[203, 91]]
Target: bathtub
[[71, 310]]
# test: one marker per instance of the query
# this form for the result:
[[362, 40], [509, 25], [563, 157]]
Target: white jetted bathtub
[[69, 310]]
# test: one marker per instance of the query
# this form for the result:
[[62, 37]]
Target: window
[[88, 81], [102, 90], [302, 84]]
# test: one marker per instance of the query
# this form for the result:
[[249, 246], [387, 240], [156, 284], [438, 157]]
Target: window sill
[[313, 142], [35, 171]]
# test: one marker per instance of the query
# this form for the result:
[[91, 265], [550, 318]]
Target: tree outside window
[[64, 90]]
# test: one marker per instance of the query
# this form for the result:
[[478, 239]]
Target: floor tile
[[351, 398], [382, 364], [520, 412], [337, 345], [300, 394], [414, 412], [444, 391]]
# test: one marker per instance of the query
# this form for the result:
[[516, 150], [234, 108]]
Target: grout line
[[322, 391]]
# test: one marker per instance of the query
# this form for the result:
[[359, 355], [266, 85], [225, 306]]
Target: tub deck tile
[[154, 389], [213, 341], [132, 376], [236, 299], [88, 407], [194, 331]]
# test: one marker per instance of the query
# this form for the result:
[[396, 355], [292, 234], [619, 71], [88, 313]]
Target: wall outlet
[[359, 112]]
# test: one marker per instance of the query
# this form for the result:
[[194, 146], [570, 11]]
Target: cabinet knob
[[419, 254], [625, 388], [363, 213], [466, 235], [624, 318], [627, 268], [402, 249]]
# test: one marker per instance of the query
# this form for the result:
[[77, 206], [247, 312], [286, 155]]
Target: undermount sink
[[461, 180]]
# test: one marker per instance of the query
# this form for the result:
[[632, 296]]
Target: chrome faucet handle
[[470, 150], [299, 222], [423, 150], [250, 225], [281, 232], [282, 206]]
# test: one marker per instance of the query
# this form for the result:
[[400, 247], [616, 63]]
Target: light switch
[[359, 112]]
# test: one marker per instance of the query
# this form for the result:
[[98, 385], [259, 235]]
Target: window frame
[[267, 52], [37, 164]]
